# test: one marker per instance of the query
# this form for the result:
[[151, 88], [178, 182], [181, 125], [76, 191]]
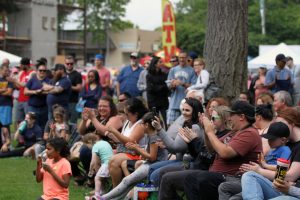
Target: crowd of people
[[155, 126]]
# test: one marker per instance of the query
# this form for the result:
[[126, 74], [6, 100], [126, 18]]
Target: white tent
[[268, 58], [14, 60]]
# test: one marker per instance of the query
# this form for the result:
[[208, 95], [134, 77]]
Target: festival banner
[[168, 31]]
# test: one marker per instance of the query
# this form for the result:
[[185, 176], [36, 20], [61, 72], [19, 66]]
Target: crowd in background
[[153, 124]]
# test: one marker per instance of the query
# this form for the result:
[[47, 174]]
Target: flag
[[168, 31]]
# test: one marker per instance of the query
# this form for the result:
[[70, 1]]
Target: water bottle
[[22, 126]]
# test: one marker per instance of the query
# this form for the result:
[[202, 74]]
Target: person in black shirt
[[76, 80]]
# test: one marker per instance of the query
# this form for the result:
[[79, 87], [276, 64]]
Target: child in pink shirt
[[54, 170]]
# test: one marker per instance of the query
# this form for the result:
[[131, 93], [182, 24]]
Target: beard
[[57, 76]]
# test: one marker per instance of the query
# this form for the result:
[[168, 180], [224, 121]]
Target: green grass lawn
[[18, 182]]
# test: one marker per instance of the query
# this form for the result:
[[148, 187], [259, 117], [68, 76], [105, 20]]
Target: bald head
[[5, 61]]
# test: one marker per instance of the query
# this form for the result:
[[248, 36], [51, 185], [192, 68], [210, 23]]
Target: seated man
[[241, 145]]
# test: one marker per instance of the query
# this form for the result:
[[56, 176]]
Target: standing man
[[290, 64], [179, 79], [76, 81], [6, 104], [129, 76], [20, 82], [59, 90], [279, 78], [141, 84], [104, 74]]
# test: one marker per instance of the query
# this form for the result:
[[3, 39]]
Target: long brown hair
[[290, 115]]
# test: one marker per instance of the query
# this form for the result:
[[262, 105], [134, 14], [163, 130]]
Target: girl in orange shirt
[[54, 170]]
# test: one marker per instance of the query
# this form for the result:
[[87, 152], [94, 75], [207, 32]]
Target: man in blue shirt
[[59, 90], [279, 78], [179, 79], [129, 76]]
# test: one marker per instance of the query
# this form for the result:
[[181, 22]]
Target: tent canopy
[[268, 58], [14, 60]]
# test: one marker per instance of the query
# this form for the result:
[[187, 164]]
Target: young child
[[55, 170], [101, 153], [277, 136], [57, 127]]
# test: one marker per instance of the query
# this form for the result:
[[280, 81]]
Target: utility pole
[[107, 45], [263, 16], [84, 33]]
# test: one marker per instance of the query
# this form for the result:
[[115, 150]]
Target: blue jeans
[[257, 187], [285, 198], [154, 172], [41, 115], [74, 115]]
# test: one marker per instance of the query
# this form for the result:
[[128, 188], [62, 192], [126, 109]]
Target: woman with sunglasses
[[37, 97]]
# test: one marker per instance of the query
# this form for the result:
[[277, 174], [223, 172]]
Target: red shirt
[[247, 143], [24, 78]]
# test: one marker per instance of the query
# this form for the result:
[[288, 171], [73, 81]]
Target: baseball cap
[[59, 67], [280, 57], [193, 55], [134, 54], [277, 130], [242, 107], [99, 56], [25, 61]]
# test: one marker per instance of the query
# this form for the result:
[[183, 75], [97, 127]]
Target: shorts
[[22, 109], [133, 157], [5, 115], [103, 171]]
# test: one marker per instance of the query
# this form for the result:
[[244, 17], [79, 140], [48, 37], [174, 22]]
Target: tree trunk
[[226, 43]]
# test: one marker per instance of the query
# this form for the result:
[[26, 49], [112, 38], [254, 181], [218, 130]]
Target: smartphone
[[153, 110]]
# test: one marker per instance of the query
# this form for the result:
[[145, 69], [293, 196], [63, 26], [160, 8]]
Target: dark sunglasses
[[42, 70], [122, 100], [214, 118], [69, 63]]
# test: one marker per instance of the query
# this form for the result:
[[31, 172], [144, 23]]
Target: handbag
[[211, 91]]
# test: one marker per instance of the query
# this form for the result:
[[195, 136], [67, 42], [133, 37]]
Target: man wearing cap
[[20, 82], [76, 81], [104, 74], [59, 90], [129, 76], [279, 78], [241, 145]]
